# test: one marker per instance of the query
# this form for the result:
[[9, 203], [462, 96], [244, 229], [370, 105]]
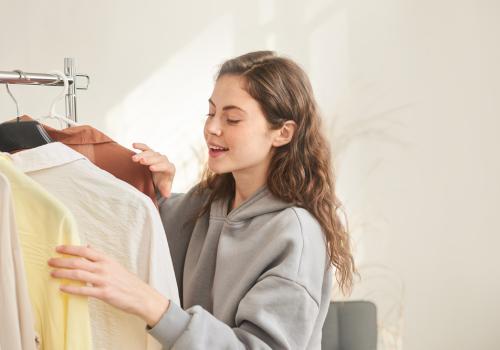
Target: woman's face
[[236, 124]]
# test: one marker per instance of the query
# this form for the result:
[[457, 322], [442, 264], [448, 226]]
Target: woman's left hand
[[108, 281]]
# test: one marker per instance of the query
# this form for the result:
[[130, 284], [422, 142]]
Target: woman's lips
[[214, 153]]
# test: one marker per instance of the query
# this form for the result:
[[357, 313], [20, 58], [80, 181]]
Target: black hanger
[[19, 135]]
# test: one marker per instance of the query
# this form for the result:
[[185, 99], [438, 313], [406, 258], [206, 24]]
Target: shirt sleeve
[[276, 313]]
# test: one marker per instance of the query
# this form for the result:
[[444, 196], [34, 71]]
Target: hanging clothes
[[116, 219], [106, 154], [61, 320], [18, 327]]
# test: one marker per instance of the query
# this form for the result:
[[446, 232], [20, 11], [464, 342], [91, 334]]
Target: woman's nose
[[213, 126]]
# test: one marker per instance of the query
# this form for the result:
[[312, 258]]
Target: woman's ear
[[285, 133]]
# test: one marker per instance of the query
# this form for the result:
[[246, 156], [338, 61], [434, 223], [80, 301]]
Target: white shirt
[[17, 330], [116, 219]]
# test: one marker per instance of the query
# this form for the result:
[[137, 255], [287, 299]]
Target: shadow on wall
[[122, 43], [151, 63]]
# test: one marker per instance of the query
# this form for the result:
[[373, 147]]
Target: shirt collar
[[76, 135], [43, 157]]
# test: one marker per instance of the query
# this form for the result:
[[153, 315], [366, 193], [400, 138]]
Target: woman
[[253, 244]]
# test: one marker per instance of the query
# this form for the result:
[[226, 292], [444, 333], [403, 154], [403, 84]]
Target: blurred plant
[[378, 283]]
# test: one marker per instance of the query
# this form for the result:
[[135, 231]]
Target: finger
[[144, 154], [76, 275], [72, 263], [151, 159], [80, 290], [82, 251], [141, 146], [160, 167]]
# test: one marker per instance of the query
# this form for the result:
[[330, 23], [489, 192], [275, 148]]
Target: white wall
[[409, 88]]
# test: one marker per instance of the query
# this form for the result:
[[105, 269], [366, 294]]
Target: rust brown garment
[[106, 154]]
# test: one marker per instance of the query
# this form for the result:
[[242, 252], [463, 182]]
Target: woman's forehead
[[229, 90]]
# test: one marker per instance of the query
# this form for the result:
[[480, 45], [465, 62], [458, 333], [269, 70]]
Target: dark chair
[[350, 325]]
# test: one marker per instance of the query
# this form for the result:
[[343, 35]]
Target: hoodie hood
[[261, 202]]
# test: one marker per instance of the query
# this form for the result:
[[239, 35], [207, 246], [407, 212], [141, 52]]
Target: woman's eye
[[210, 114], [233, 121]]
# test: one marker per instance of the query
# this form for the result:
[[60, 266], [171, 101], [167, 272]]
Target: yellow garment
[[61, 320]]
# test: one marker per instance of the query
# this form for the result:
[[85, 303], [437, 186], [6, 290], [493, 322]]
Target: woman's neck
[[243, 192], [248, 181]]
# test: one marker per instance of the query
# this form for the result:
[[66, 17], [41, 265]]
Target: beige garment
[[17, 331], [116, 219]]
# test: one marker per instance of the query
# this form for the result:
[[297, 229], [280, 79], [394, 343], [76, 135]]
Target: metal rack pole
[[69, 70], [32, 79], [24, 78]]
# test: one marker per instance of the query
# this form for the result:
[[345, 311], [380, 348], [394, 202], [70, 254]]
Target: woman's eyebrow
[[227, 107]]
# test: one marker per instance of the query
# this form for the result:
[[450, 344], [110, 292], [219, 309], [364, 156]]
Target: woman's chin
[[217, 169]]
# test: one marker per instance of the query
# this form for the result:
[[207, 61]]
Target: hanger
[[18, 114], [19, 135], [53, 114]]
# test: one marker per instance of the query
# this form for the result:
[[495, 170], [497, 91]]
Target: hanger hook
[[61, 76], [21, 76], [13, 99]]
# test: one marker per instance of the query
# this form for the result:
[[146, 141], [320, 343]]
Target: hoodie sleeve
[[276, 313], [177, 213]]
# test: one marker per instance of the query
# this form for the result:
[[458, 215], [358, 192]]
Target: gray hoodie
[[256, 278]]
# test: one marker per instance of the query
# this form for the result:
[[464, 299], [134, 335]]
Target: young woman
[[255, 243]]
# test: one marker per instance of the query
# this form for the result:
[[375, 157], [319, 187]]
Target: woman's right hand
[[163, 170]]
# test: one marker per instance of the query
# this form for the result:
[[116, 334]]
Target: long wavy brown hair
[[300, 172]]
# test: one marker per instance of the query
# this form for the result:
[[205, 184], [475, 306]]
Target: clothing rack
[[23, 78]]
